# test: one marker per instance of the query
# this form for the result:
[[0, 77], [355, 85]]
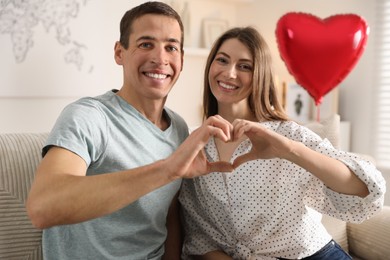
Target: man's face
[[153, 61]]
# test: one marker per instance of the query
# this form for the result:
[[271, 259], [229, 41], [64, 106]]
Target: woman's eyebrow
[[227, 55], [223, 53]]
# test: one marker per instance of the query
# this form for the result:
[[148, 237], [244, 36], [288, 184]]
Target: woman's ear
[[118, 48]]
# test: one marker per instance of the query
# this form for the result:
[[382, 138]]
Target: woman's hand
[[266, 144]]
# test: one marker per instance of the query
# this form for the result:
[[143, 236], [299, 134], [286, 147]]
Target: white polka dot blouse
[[269, 209]]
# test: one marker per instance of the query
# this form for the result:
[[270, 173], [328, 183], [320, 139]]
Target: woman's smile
[[226, 86]]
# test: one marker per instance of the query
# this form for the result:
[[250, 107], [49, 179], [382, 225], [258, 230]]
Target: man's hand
[[189, 160]]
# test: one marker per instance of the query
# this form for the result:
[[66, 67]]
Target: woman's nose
[[231, 72]]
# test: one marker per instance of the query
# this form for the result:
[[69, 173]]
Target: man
[[112, 164]]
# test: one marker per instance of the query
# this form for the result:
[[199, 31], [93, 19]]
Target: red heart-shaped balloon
[[320, 53]]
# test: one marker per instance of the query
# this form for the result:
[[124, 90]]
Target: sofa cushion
[[327, 128], [337, 229], [370, 239], [19, 157]]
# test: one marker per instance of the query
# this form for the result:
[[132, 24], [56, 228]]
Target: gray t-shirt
[[111, 135]]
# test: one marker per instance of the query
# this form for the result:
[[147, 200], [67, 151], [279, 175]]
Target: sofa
[[369, 240], [20, 154]]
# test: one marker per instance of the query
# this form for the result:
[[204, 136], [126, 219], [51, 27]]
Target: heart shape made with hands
[[320, 53], [266, 143]]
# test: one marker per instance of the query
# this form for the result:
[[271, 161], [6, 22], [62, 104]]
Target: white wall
[[34, 91]]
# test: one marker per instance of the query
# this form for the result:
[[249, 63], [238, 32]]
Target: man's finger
[[220, 167], [243, 159]]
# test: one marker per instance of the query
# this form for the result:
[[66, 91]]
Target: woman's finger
[[220, 123]]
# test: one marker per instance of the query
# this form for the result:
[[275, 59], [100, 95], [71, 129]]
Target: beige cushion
[[337, 229], [19, 156], [327, 128], [371, 239]]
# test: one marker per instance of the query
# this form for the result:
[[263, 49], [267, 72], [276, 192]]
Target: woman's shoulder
[[279, 125], [290, 129]]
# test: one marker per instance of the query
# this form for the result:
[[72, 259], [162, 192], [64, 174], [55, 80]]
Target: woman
[[264, 209]]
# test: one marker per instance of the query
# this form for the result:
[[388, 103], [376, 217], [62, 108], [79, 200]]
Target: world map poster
[[61, 48]]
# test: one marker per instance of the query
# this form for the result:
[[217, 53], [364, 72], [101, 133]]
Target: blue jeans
[[332, 251]]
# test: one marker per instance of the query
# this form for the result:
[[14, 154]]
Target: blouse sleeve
[[346, 207]]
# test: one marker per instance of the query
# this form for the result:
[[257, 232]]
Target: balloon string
[[318, 113]]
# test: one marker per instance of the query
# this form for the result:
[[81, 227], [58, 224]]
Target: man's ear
[[118, 53]]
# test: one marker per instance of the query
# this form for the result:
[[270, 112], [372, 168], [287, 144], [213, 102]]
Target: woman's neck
[[231, 113]]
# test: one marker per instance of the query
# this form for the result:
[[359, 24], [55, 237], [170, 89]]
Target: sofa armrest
[[371, 238], [20, 154]]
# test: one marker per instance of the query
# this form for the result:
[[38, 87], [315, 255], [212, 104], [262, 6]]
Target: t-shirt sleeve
[[81, 129]]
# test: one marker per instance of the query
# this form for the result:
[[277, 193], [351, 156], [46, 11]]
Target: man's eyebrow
[[174, 40], [146, 37]]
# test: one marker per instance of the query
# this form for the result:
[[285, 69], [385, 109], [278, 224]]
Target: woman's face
[[230, 74]]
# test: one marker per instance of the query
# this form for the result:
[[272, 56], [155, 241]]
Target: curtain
[[381, 109]]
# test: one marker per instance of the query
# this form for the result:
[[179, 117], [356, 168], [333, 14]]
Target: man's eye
[[145, 45], [172, 48]]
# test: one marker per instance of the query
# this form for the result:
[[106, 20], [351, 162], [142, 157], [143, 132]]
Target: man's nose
[[160, 56]]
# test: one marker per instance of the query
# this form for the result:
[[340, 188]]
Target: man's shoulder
[[90, 104], [95, 99], [176, 118], [173, 115]]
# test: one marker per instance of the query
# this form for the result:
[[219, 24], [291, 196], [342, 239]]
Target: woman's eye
[[221, 60], [246, 67]]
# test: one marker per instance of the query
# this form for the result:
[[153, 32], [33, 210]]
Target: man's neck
[[153, 110]]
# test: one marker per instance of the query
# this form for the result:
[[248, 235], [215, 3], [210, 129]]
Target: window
[[381, 110]]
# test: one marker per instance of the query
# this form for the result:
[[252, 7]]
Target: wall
[[34, 90], [36, 85]]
